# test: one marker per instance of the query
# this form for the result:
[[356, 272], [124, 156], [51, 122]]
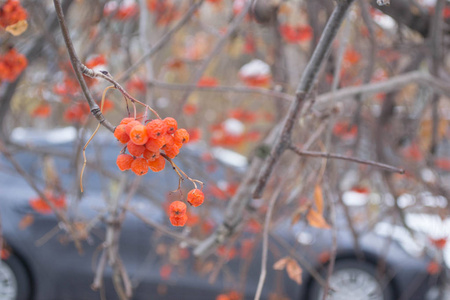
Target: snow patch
[[229, 157], [254, 68], [64, 135]]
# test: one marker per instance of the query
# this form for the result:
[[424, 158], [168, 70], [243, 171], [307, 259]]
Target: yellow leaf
[[318, 199], [316, 219], [18, 28], [294, 271]]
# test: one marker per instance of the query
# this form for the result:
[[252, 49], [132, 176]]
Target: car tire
[[354, 277], [14, 279]]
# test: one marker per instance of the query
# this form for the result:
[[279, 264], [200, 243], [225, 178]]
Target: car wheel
[[354, 280], [14, 280]]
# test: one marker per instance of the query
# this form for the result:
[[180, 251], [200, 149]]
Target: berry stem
[[92, 136]]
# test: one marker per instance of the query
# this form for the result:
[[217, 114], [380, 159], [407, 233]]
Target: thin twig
[[76, 64], [347, 158], [90, 139], [161, 228], [222, 89], [59, 214], [162, 41], [306, 83], [231, 29], [265, 242]]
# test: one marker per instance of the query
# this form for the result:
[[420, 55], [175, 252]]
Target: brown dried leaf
[[318, 199], [26, 221], [296, 216], [281, 263], [316, 219], [294, 271], [18, 28]]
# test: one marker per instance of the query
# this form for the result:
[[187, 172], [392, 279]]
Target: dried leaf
[[294, 271], [316, 219], [281, 263], [18, 28], [318, 198], [296, 216], [26, 221]]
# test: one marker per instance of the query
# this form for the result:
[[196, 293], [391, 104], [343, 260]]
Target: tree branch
[[77, 67], [306, 83], [347, 158]]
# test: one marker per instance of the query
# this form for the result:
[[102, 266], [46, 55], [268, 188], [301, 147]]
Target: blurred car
[[41, 263]]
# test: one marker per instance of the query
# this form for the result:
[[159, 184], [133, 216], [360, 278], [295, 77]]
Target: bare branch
[[306, 83], [347, 158], [77, 67]]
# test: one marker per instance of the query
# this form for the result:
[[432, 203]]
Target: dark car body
[[56, 270]]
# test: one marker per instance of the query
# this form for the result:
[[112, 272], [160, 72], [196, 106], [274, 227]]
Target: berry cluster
[[11, 65], [177, 209], [11, 12], [144, 143]]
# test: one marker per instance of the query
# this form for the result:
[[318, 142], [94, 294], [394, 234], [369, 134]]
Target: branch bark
[[306, 83]]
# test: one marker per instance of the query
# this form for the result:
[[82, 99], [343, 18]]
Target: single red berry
[[156, 128], [177, 208], [139, 166], [168, 140], [158, 164], [124, 161], [121, 134], [135, 150], [171, 125], [138, 135], [195, 197], [125, 121], [178, 220], [171, 150], [154, 145], [130, 126], [181, 136], [150, 156]]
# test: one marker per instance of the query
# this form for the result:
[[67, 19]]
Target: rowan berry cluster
[[145, 142], [11, 12], [11, 65], [177, 209]]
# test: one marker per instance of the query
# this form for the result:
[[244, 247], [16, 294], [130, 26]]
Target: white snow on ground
[[54, 136], [254, 68], [385, 21], [433, 227], [229, 157], [352, 198], [414, 247], [233, 126]]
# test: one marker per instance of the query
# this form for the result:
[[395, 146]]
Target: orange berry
[[168, 140], [124, 161], [177, 208], [171, 150], [138, 135], [139, 166], [171, 125], [195, 197], [130, 126], [156, 128], [154, 145], [121, 134], [178, 220], [135, 150], [181, 136], [127, 120], [150, 156], [158, 164]]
